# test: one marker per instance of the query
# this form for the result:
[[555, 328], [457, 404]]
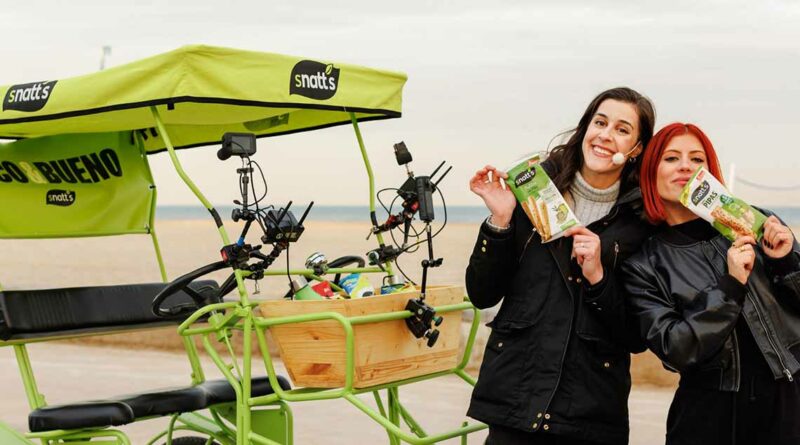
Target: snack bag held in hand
[[707, 198], [539, 197]]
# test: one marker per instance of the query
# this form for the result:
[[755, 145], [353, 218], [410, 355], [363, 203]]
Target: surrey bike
[[78, 168]]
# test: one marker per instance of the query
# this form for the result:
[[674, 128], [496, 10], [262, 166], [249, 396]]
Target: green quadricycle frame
[[78, 167]]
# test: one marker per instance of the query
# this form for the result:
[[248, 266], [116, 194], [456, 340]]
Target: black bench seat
[[128, 409], [32, 314]]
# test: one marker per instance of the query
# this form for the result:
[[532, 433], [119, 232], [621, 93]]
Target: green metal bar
[[466, 377], [404, 436], [235, 384], [186, 179], [379, 403], [153, 201], [179, 168], [394, 413], [309, 272], [214, 323], [204, 425], [198, 376], [412, 423], [334, 287], [244, 402], [361, 319], [404, 382], [35, 398], [161, 267], [287, 411], [220, 422], [257, 438], [379, 236], [171, 428], [473, 331], [65, 436]]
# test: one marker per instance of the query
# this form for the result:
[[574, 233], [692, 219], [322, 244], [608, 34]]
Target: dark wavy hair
[[567, 158]]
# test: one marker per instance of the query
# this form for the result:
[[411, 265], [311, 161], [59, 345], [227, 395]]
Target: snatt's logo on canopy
[[28, 96], [314, 80], [63, 198]]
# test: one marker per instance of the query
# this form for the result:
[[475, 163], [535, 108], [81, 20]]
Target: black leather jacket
[[686, 306], [554, 360]]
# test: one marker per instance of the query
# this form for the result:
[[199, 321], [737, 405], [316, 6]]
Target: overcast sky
[[488, 81]]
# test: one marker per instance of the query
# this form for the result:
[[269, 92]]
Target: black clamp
[[422, 321]]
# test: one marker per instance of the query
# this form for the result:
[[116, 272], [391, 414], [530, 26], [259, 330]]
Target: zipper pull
[[788, 375]]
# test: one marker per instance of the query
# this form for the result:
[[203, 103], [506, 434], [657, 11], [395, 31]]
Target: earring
[[632, 159]]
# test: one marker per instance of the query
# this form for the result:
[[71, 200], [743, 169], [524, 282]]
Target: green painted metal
[[152, 223], [82, 437], [11, 437], [412, 423], [335, 270], [365, 156], [35, 398]]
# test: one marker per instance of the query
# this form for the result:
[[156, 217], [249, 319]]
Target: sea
[[455, 214]]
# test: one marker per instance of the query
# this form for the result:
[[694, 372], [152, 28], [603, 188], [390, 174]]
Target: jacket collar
[[675, 237]]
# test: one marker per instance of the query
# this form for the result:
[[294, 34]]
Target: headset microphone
[[619, 158]]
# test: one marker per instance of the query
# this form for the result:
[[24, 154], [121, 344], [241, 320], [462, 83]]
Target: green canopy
[[202, 92]]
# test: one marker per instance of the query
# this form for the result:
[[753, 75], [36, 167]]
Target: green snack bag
[[707, 198], [540, 199]]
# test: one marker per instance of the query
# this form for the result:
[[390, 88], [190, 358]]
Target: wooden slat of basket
[[314, 352]]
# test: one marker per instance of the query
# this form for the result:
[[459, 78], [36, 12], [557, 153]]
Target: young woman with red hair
[[725, 315]]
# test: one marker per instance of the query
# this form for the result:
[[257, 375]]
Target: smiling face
[[681, 158], [614, 128]]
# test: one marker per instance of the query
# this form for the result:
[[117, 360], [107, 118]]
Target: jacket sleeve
[[682, 337], [785, 272], [491, 267], [606, 298]]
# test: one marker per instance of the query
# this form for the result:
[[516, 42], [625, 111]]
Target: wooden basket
[[314, 352]]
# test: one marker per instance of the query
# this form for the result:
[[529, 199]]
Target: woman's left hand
[[778, 239], [586, 251]]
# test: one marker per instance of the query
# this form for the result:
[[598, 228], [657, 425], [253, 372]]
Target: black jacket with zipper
[[686, 307], [556, 360]]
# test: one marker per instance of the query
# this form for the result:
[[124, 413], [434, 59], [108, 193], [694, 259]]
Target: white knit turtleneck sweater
[[589, 203]]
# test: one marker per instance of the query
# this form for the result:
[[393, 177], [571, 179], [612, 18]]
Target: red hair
[[653, 205]]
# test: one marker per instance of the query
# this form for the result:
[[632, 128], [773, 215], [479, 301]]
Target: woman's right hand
[[498, 197], [741, 257]]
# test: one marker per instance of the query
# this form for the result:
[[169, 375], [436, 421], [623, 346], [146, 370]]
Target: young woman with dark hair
[[725, 315], [556, 366]]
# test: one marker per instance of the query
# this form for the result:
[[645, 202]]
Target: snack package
[[539, 197], [394, 288], [324, 289], [707, 198], [357, 286]]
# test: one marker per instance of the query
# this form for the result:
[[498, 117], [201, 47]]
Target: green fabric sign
[[74, 185]]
